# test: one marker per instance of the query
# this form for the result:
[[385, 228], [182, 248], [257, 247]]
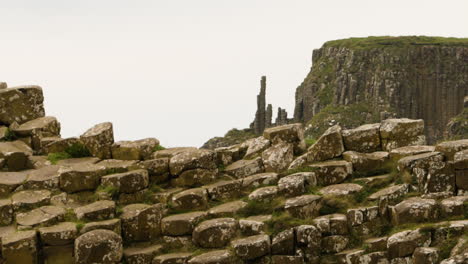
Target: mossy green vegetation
[[400, 41], [348, 116], [10, 135], [77, 150], [310, 141], [158, 148], [282, 221]]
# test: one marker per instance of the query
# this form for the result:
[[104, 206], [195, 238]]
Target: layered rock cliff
[[414, 77]]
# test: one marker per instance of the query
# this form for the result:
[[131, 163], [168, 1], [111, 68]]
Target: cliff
[[380, 77]]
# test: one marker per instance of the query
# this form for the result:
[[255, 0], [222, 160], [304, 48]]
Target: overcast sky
[[185, 71]]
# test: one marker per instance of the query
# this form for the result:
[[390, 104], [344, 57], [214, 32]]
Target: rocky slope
[[372, 194], [378, 77]]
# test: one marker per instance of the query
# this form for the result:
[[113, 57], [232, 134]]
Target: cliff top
[[401, 41]]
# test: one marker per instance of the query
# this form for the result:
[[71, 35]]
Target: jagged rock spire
[[260, 115]]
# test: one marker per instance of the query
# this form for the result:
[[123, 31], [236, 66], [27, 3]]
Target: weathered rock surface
[[215, 233], [293, 133], [244, 168], [251, 247], [192, 159], [141, 222], [332, 172], [98, 246], [365, 138], [134, 150], [21, 104], [99, 140]]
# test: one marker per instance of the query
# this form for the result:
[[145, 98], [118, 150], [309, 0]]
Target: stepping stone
[[227, 209], [333, 224], [373, 179], [127, 182], [118, 166], [254, 225], [20, 247], [227, 155], [308, 236], [215, 233], [399, 153], [172, 258], [366, 163], [9, 181], [365, 138], [264, 194], [158, 169], [403, 244], [192, 159], [214, 257], [414, 210], [449, 148], [376, 244], [43, 178], [170, 152], [278, 157], [295, 184], [48, 126], [181, 224], [99, 139], [304, 206], [100, 210], [78, 161], [61, 234], [396, 133], [257, 180], [195, 177], [57, 144], [191, 199], [283, 243], [141, 254], [426, 255], [134, 150], [291, 133], [80, 177], [98, 246], [252, 247], [328, 146], [454, 206], [45, 216], [6, 212], [224, 190], [27, 200], [141, 222], [334, 244], [341, 189], [178, 242], [391, 193], [332, 172], [112, 225], [244, 168]]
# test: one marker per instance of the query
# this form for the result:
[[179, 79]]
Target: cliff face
[[414, 77]]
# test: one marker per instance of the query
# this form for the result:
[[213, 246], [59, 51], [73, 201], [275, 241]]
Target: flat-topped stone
[[332, 172], [244, 168], [61, 234], [181, 224], [215, 233], [98, 246], [254, 225], [227, 209], [365, 138], [9, 181], [80, 177], [191, 199], [134, 150], [172, 258], [45, 215], [391, 193], [127, 182], [100, 210], [304, 206], [267, 193], [398, 153], [251, 247], [27, 200], [341, 189], [112, 225], [449, 148], [254, 181], [215, 257], [21, 104], [256, 146], [142, 254], [141, 222], [44, 178], [192, 159], [118, 166], [366, 163], [20, 247]]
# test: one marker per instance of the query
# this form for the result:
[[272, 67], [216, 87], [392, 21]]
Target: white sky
[[185, 71]]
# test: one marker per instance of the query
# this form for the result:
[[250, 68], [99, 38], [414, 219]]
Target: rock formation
[[414, 77], [260, 116]]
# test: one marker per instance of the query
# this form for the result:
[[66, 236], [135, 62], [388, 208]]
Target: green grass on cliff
[[402, 41]]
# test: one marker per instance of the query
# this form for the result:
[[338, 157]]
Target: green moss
[[283, 221], [57, 156], [401, 41], [112, 191], [158, 148], [310, 141], [260, 208], [348, 116], [77, 150]]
